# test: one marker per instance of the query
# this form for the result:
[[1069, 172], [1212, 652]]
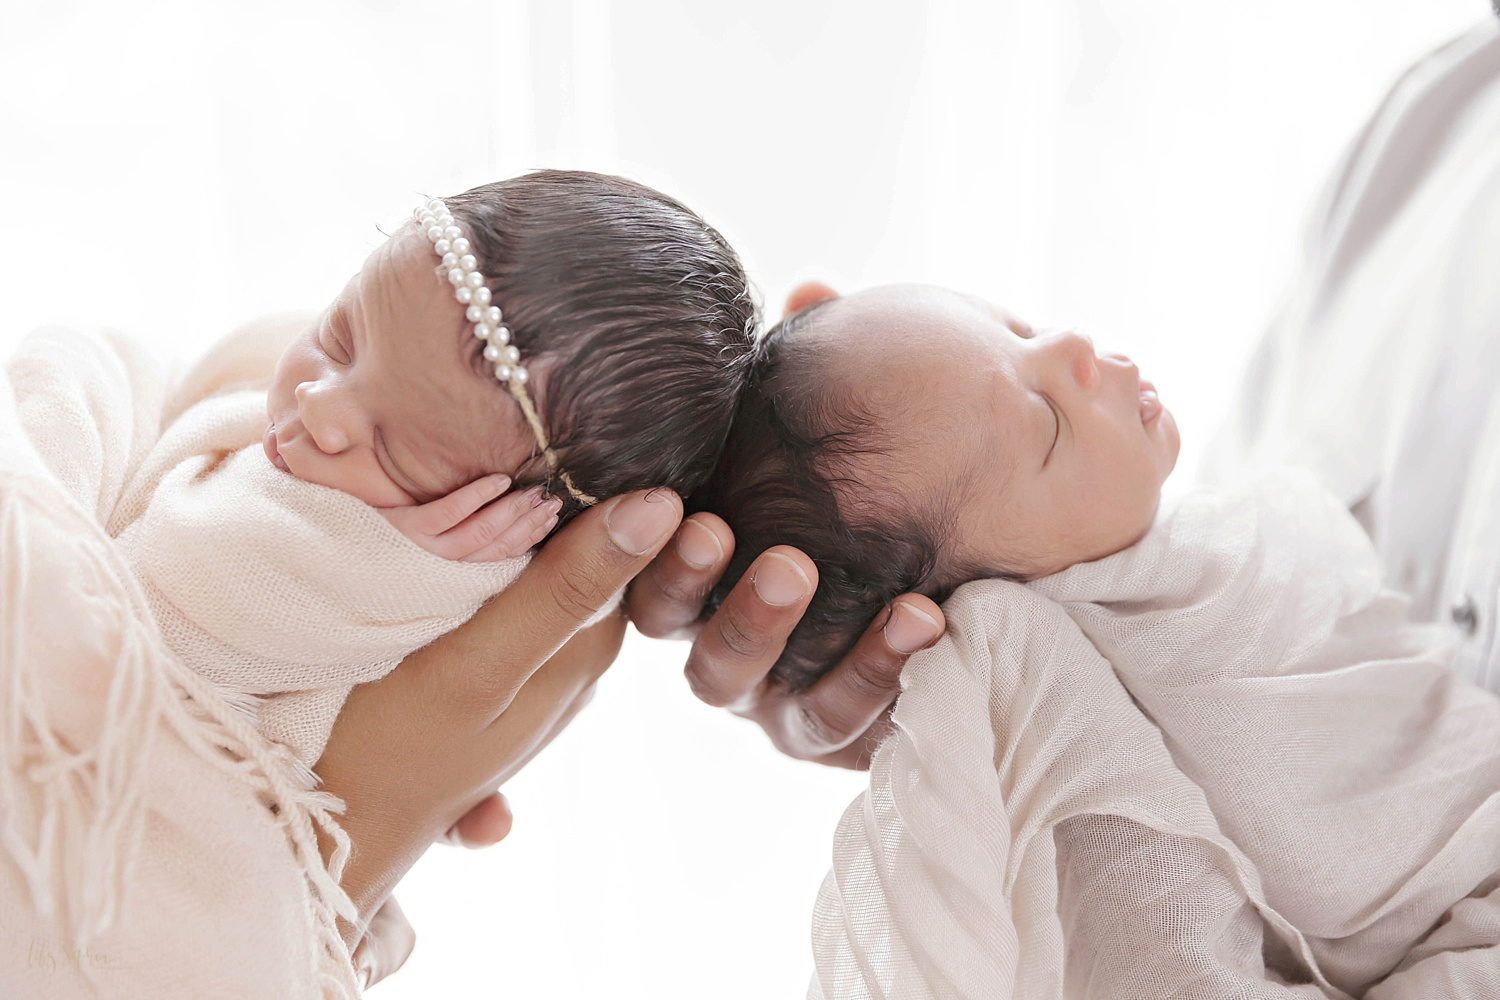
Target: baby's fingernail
[[698, 546], [536, 495], [553, 505], [908, 629], [778, 581], [499, 483], [638, 521]]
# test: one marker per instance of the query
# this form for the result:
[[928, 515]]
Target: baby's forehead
[[894, 326]]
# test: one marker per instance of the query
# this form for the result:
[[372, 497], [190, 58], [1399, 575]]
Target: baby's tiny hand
[[459, 526]]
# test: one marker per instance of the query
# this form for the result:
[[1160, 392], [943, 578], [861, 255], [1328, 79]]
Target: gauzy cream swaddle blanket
[[275, 587], [1220, 763]]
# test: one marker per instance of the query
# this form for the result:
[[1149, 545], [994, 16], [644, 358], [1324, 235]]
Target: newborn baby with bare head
[[1216, 683], [911, 438]]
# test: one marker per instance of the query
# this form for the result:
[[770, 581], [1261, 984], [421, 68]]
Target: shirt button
[[1466, 615]]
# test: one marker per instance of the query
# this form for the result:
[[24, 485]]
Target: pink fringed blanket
[[135, 794]]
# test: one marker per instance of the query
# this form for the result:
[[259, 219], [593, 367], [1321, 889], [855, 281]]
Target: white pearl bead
[[521, 375], [502, 372], [482, 332], [492, 354], [467, 262], [492, 315], [434, 233], [502, 335], [434, 204], [475, 314], [482, 296], [475, 279], [450, 260], [452, 232], [442, 246], [427, 220], [456, 276], [460, 245], [512, 355], [464, 293]]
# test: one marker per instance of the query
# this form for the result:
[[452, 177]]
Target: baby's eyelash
[[1057, 432]]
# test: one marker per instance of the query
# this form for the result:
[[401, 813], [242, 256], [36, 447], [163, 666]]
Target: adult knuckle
[[679, 591], [705, 685], [871, 676], [573, 594], [737, 634], [814, 732]]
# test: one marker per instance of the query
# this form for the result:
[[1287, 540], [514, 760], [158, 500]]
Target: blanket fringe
[[98, 790]]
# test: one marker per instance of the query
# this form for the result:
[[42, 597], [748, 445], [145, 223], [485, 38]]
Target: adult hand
[[417, 755], [841, 718]]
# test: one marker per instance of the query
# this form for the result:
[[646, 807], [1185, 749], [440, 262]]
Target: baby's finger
[[521, 534], [483, 528], [442, 514]]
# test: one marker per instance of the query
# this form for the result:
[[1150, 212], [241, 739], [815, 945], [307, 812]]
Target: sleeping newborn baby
[[1183, 747], [566, 337]]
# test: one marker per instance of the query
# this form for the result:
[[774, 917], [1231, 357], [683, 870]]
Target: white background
[[1136, 167]]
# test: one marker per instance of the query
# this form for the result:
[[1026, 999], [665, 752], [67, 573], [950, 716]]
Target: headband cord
[[469, 288]]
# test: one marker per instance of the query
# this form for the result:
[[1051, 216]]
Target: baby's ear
[[807, 294]]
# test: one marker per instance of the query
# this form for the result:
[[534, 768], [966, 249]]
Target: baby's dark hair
[[642, 312], [785, 478]]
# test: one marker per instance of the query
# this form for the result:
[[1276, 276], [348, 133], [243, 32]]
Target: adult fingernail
[[637, 522], [698, 546], [908, 629], [778, 581]]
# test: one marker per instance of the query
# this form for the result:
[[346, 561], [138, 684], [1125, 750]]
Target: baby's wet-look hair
[[636, 313], [785, 478]]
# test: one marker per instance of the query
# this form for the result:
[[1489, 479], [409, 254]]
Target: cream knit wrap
[[1216, 764], [268, 585]]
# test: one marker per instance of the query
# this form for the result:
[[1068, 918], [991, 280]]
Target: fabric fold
[[135, 797], [1220, 763], [279, 588]]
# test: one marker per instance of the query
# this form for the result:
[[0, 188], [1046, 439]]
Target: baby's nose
[[1078, 349], [323, 414]]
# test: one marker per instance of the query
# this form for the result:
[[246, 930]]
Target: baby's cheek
[[360, 477]]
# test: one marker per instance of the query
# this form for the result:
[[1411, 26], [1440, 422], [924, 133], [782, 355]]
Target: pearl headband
[[469, 288]]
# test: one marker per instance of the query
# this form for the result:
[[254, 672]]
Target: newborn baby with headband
[[509, 357], [1181, 747]]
